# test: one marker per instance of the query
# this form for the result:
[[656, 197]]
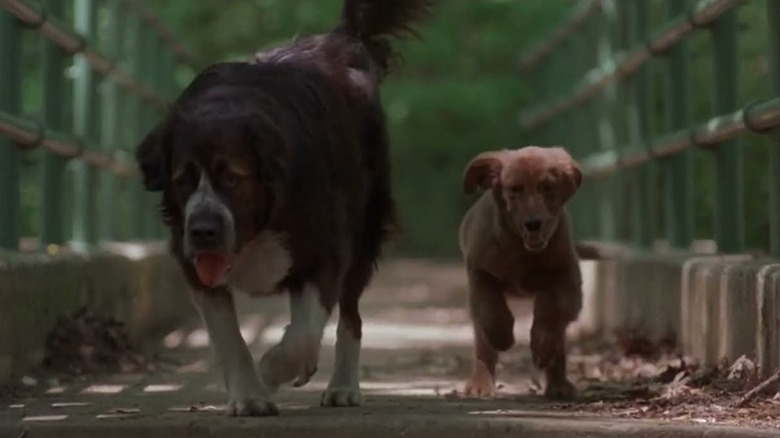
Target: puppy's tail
[[373, 22]]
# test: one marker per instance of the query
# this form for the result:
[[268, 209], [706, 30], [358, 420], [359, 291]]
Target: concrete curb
[[410, 426], [715, 306], [124, 282]]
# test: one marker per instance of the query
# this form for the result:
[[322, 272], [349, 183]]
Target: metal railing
[[103, 80], [606, 82]]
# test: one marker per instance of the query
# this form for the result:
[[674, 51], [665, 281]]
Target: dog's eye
[[517, 189], [545, 188], [231, 179], [183, 182]]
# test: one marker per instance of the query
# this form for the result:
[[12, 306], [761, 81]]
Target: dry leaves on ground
[[85, 343], [633, 379]]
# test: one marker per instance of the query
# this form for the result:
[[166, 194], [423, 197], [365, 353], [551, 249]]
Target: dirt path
[[416, 355]]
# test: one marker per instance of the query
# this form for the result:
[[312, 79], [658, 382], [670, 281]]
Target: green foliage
[[459, 92], [753, 83]]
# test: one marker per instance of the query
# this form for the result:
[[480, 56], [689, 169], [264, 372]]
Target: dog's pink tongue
[[211, 268]]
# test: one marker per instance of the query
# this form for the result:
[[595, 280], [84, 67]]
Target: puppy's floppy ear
[[152, 159], [572, 176], [483, 171]]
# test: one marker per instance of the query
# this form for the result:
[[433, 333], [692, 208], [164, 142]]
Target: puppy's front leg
[[493, 330], [555, 308], [248, 396]]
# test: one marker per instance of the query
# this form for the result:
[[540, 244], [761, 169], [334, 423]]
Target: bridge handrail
[[73, 43], [635, 130], [92, 115], [184, 54], [542, 49], [623, 65]]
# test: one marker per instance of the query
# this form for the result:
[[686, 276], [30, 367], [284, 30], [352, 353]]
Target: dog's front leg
[[555, 308], [297, 354], [248, 396], [493, 329]]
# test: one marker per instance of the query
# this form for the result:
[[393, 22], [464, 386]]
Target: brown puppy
[[516, 241]]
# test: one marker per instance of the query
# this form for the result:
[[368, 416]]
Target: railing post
[[10, 102], [679, 219], [110, 137], [135, 123], [572, 119], [639, 88], [773, 15], [615, 95], [166, 62], [87, 123], [55, 104], [159, 79], [729, 206], [147, 72], [589, 137], [545, 70], [605, 133]]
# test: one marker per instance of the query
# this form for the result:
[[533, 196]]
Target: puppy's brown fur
[[516, 241]]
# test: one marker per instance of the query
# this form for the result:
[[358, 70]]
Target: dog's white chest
[[262, 264]]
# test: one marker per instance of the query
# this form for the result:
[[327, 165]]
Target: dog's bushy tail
[[373, 22]]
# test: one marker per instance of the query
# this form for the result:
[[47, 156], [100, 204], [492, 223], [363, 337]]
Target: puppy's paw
[[341, 397], [561, 389], [481, 383], [252, 407], [546, 344]]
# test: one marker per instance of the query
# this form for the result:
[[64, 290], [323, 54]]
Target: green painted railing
[[661, 101], [102, 71]]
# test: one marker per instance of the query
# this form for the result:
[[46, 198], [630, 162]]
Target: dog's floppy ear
[[572, 175], [151, 157], [483, 171]]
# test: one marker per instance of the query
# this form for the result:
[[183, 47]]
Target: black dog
[[275, 177]]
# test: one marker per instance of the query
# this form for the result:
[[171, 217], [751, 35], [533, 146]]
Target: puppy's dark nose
[[532, 225], [206, 232]]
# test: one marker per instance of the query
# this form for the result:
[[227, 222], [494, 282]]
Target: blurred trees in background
[[458, 92]]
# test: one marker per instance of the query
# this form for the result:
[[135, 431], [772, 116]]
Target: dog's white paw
[[308, 372], [252, 407], [281, 364], [341, 397]]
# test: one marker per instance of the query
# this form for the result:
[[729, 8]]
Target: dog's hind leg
[[344, 387]]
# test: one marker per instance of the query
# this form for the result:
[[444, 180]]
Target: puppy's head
[[218, 161], [531, 185]]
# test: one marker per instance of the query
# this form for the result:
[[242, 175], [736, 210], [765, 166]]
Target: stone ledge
[[139, 284], [714, 306]]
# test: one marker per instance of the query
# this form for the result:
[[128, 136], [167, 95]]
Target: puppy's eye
[[545, 188], [517, 189]]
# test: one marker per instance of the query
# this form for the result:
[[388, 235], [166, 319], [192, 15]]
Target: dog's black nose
[[532, 225], [206, 232]]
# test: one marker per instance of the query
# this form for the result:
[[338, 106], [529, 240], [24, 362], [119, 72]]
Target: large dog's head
[[531, 185], [218, 159]]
